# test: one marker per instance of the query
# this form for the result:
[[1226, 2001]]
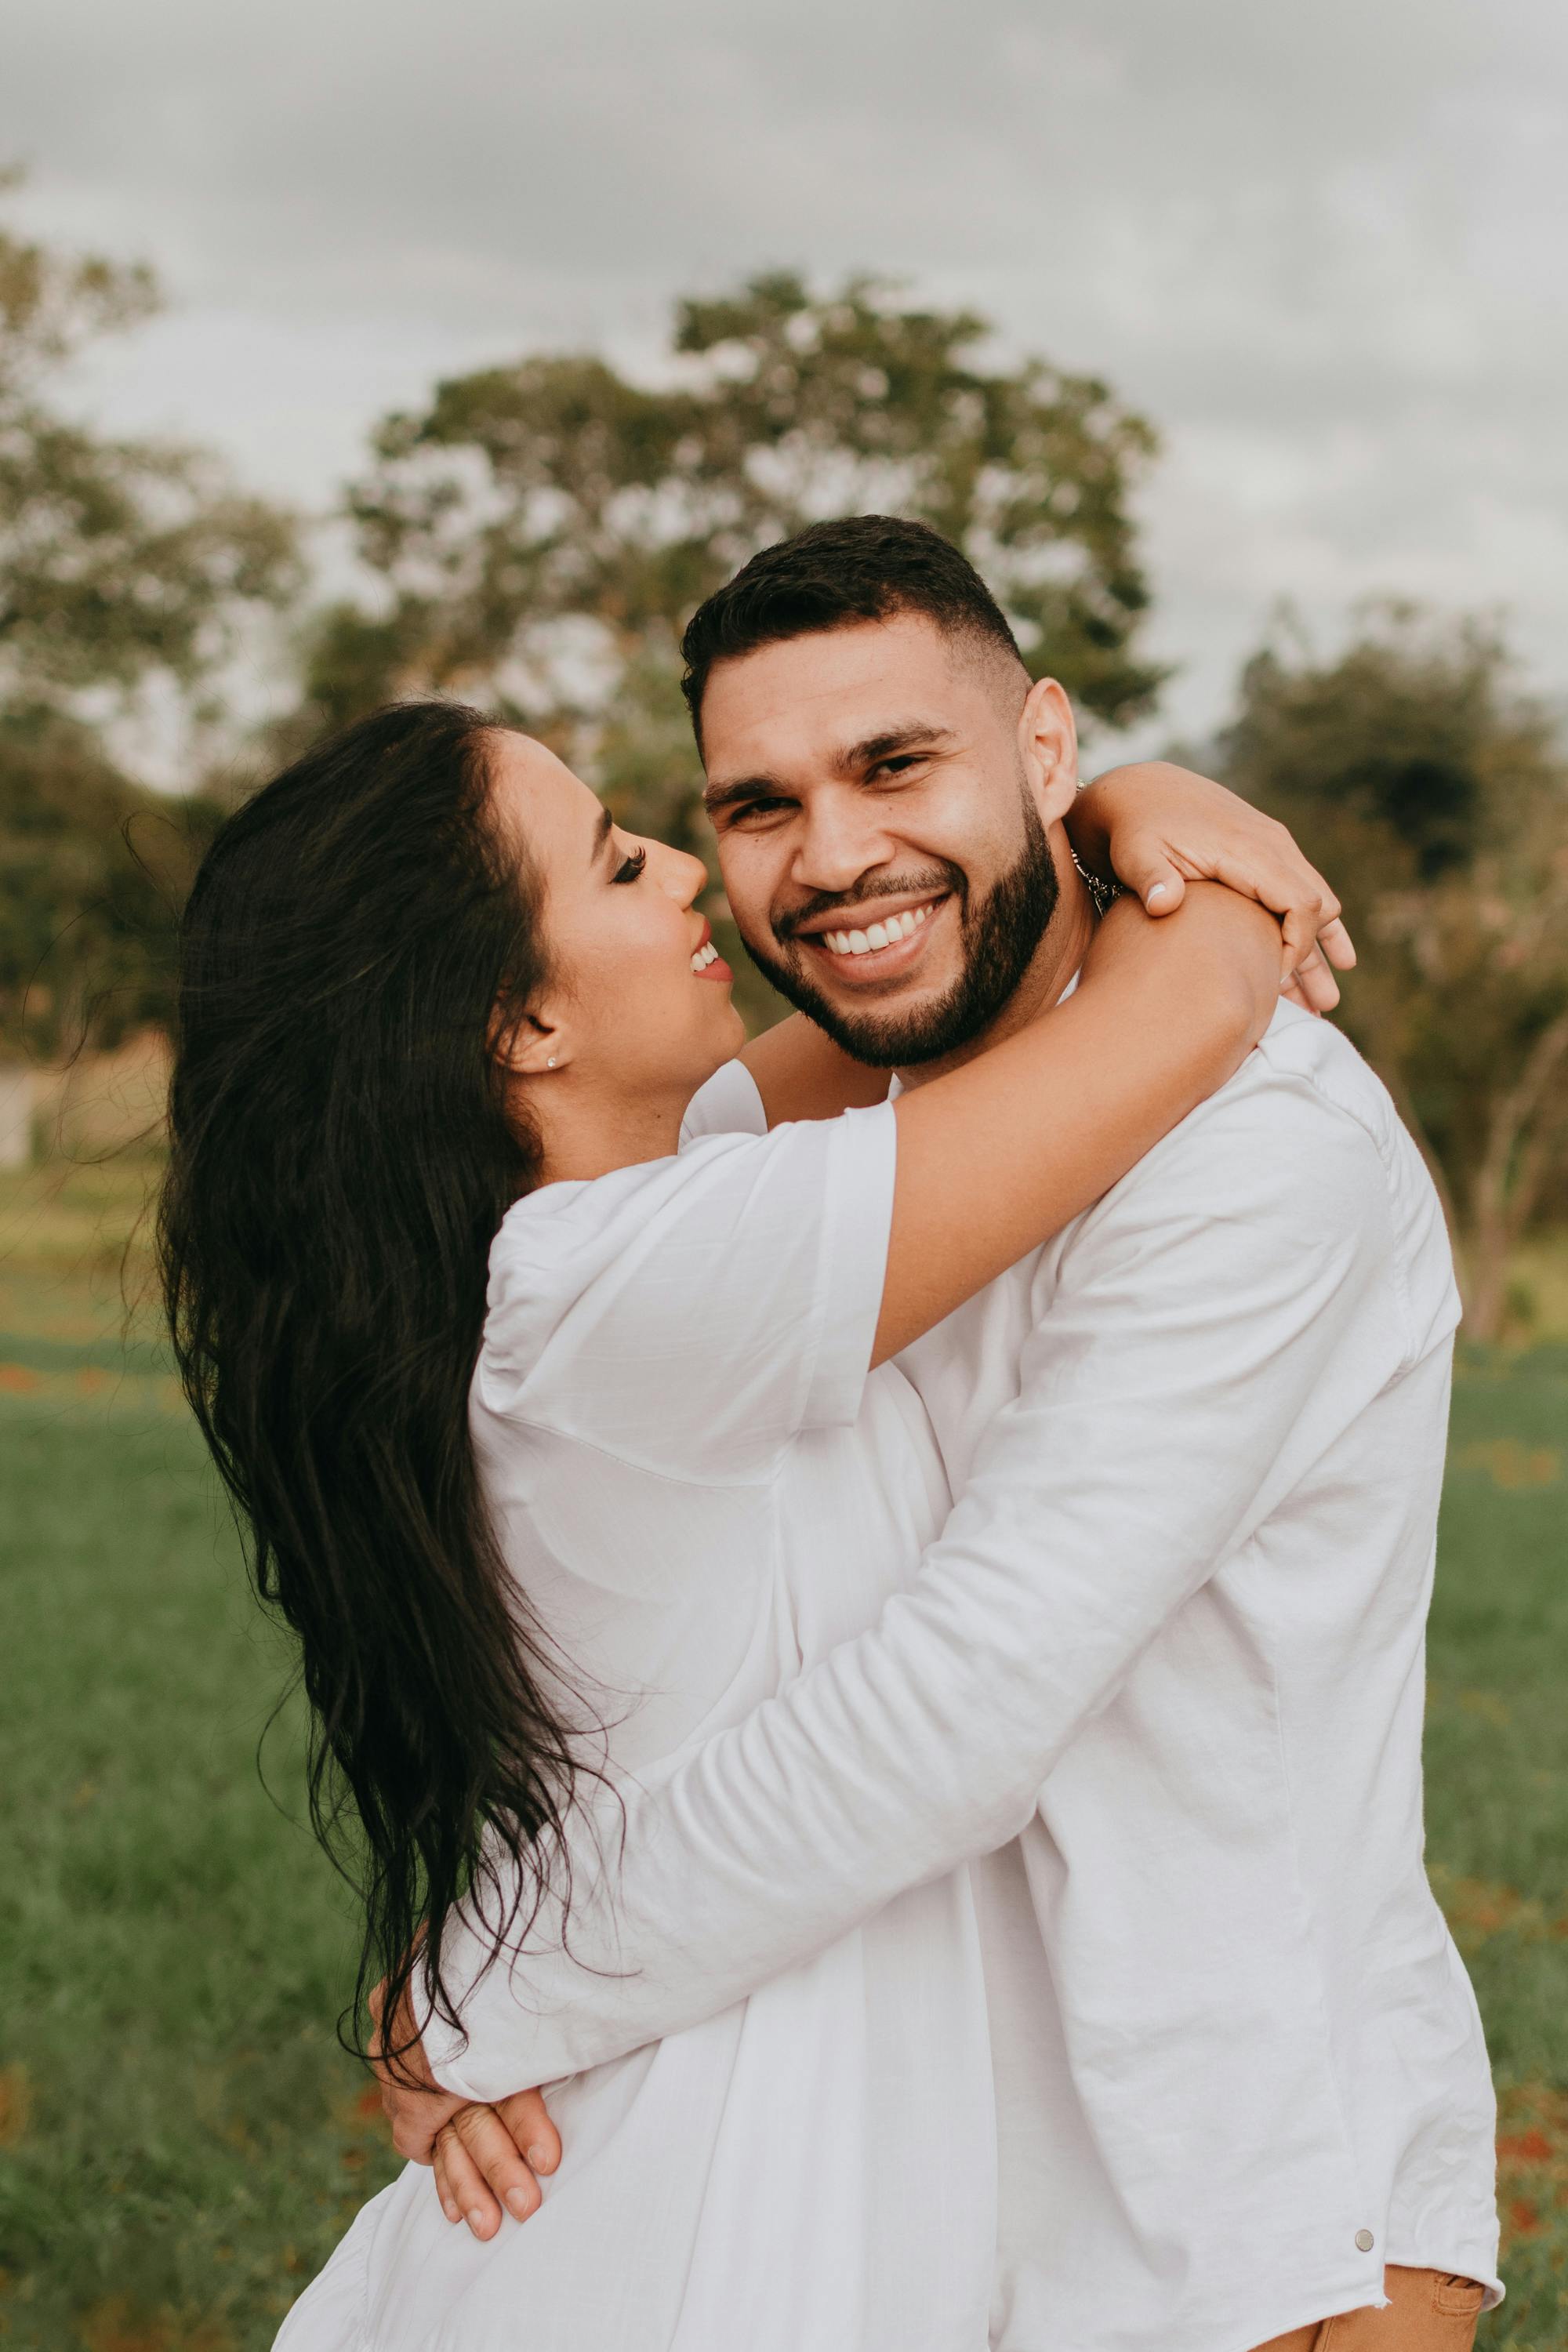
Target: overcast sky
[[1325, 250]]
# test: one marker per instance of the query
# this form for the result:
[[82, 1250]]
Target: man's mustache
[[931, 882]]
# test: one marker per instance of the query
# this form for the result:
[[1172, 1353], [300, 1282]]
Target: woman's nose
[[684, 877]]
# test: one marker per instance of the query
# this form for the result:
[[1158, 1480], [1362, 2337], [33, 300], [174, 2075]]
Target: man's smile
[[880, 940]]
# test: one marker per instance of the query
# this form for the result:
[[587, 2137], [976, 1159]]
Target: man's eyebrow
[[743, 788], [890, 741], [601, 835], [854, 756]]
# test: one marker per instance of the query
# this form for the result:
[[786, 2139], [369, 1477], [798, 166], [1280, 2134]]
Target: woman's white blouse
[[666, 1353], [699, 1490]]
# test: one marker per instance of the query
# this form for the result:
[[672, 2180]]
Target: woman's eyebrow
[[601, 835]]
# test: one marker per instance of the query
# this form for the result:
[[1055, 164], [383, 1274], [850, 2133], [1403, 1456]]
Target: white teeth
[[885, 934], [706, 954]]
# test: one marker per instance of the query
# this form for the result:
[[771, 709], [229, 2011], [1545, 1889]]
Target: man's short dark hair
[[831, 575]]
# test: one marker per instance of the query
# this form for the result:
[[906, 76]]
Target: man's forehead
[[835, 690]]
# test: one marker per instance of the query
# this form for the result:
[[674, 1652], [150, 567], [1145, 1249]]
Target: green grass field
[[181, 2141]]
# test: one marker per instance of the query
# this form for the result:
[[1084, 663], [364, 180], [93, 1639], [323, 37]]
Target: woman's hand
[[1157, 827]]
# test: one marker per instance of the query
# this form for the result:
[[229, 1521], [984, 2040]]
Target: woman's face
[[637, 1004]]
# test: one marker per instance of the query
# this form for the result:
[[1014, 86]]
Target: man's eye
[[897, 766], [749, 809], [630, 867]]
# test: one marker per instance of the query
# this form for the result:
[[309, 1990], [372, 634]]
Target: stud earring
[[551, 1064]]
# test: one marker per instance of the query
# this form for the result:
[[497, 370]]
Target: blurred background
[[346, 351]]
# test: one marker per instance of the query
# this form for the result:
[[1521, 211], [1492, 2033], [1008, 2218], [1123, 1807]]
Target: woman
[[559, 1448]]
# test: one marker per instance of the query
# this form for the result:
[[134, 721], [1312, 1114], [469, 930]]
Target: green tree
[[122, 561], [1435, 794], [93, 872], [119, 559], [543, 531]]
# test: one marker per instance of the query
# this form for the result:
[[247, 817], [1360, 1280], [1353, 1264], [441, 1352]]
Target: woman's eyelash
[[630, 867]]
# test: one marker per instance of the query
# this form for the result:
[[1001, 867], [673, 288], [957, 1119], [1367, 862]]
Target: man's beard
[[998, 936]]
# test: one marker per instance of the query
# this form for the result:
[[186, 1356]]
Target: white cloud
[[1324, 251]]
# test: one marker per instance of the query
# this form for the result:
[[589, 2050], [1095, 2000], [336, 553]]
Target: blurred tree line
[[124, 565], [534, 539], [1435, 795]]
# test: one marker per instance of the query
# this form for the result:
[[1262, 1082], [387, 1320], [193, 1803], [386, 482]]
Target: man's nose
[[842, 837]]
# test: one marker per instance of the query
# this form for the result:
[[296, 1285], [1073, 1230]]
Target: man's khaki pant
[[1427, 2312]]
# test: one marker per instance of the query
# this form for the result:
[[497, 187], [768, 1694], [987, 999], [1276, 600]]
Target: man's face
[[881, 795]]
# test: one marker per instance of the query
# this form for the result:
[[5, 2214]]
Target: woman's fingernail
[[518, 2204], [1160, 890], [541, 2157], [477, 2221]]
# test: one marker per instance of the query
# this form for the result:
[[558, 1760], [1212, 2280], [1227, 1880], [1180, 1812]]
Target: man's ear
[[1047, 745]]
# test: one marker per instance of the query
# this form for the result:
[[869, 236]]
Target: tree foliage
[[543, 531], [93, 872], [119, 559], [1435, 797]]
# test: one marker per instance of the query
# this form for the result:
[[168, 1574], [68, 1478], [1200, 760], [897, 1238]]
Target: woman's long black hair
[[342, 1158]]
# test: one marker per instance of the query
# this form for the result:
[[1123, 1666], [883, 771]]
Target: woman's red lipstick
[[715, 968]]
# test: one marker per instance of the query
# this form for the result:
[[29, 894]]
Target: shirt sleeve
[[690, 1314], [728, 1104], [1219, 1319]]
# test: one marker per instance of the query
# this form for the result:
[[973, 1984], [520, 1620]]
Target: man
[[1165, 1668]]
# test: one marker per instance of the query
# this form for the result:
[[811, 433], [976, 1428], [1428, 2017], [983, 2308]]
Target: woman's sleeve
[[728, 1104], [690, 1315]]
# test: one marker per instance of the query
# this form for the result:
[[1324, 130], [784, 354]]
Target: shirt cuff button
[[1365, 2241]]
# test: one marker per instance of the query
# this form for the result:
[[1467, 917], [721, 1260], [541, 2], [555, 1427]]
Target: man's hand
[[1158, 827], [484, 2158], [479, 2169]]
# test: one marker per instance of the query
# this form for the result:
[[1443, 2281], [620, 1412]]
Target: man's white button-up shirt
[[1165, 1668]]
